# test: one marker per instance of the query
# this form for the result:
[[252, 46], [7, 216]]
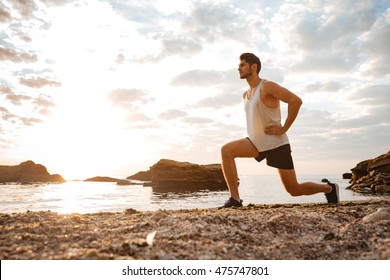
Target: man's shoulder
[[270, 91], [269, 82], [270, 86]]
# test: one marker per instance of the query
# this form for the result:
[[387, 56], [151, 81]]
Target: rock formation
[[170, 175], [141, 176], [28, 172], [110, 180], [372, 176]]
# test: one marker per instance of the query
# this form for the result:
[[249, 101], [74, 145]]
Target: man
[[267, 138]]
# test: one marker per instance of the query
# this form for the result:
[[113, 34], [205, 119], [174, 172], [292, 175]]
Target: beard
[[245, 75]]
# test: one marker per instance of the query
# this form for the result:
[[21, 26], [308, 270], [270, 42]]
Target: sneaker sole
[[337, 192]]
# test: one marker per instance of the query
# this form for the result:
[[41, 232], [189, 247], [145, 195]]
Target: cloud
[[17, 99], [226, 99], [223, 82], [324, 35], [38, 82], [197, 120], [126, 98], [336, 53], [330, 86], [16, 120], [6, 90], [325, 135], [375, 45], [143, 12], [6, 114], [30, 121], [204, 23], [12, 55], [335, 61], [132, 102], [137, 117], [331, 25], [5, 15], [172, 114], [373, 95], [180, 45], [211, 22], [27, 113], [25, 8], [56, 3], [43, 104], [200, 78], [120, 58], [377, 41]]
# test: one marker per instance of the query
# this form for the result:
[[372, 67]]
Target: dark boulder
[[347, 176]]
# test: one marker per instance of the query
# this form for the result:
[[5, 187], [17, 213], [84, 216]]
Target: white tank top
[[258, 117]]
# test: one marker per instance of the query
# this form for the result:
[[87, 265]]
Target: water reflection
[[181, 189], [90, 197]]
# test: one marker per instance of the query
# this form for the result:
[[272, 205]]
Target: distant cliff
[[28, 172]]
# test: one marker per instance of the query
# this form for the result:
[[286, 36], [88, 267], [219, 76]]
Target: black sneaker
[[333, 195], [231, 202]]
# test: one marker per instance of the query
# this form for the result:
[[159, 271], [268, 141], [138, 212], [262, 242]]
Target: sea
[[92, 197]]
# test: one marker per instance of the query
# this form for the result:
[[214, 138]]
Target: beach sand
[[286, 231]]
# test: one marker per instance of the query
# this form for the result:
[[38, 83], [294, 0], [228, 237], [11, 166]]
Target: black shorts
[[279, 157]]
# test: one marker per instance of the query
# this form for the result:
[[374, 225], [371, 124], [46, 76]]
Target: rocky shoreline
[[349, 230], [372, 176]]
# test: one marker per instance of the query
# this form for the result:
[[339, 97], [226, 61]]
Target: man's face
[[244, 69]]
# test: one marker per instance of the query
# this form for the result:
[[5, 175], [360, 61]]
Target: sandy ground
[[288, 231]]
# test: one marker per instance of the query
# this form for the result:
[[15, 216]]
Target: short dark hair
[[251, 59]]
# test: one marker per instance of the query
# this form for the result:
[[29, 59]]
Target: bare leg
[[294, 188], [240, 148]]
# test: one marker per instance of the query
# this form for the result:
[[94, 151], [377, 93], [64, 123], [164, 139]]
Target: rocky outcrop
[[372, 176], [103, 179], [170, 175], [141, 176], [28, 172], [347, 176]]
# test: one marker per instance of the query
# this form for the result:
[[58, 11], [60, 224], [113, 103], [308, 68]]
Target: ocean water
[[91, 197]]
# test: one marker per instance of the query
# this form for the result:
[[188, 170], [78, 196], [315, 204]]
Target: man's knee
[[290, 182], [293, 189], [226, 150], [294, 192]]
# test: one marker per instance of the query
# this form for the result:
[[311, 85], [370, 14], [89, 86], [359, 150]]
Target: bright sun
[[84, 134]]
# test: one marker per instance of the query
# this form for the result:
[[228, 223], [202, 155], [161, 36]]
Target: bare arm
[[275, 93]]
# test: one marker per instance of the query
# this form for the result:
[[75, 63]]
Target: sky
[[109, 87]]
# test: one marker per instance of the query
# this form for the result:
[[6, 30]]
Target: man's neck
[[253, 81]]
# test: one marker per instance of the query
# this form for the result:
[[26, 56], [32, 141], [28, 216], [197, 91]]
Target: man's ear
[[254, 67]]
